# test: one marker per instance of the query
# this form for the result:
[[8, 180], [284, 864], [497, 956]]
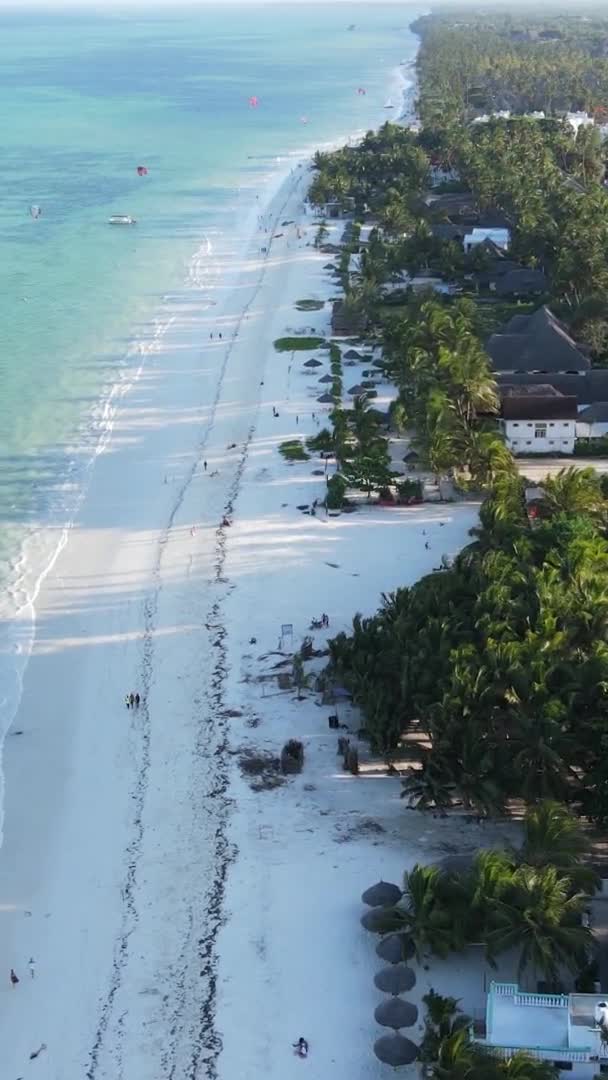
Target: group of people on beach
[[132, 701]]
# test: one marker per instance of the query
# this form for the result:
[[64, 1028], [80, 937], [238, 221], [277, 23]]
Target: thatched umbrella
[[352, 354], [395, 1050], [396, 979], [357, 390], [376, 920], [412, 455], [313, 363], [396, 1013], [394, 948], [325, 399], [326, 378], [384, 894]]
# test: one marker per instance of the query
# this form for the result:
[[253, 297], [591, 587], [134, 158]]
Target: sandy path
[[115, 848]]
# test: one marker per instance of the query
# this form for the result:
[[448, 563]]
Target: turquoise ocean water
[[88, 98]]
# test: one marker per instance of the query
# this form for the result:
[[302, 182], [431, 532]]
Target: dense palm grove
[[495, 666], [500, 662], [545, 178], [447, 392], [523, 62]]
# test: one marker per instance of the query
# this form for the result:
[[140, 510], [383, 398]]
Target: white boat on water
[[121, 219], [389, 104]]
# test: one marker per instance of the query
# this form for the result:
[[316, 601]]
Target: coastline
[[85, 780], [42, 546]]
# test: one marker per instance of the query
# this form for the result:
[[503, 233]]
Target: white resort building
[[537, 419], [570, 1030]]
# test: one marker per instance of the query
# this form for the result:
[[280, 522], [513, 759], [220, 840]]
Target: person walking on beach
[[427, 545], [205, 466], [220, 335], [14, 978], [132, 699], [137, 701], [32, 966], [127, 700]]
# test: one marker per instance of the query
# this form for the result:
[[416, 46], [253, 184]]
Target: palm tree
[[523, 1066], [472, 382], [540, 916], [443, 1019], [572, 491], [431, 787], [424, 914], [431, 923], [553, 837]]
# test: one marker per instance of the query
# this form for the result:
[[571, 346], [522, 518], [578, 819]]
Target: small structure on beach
[[332, 208], [383, 894], [396, 1013], [395, 979], [395, 948], [345, 322], [292, 757], [395, 1050]]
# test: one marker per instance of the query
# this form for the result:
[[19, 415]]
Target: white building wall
[[594, 430], [539, 436]]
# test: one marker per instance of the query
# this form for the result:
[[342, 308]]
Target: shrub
[[310, 305], [293, 450], [591, 447], [297, 344], [336, 488], [323, 440], [409, 489]]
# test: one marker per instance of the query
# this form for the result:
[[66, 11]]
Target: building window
[[540, 431], [529, 425], [515, 423], [529, 442], [551, 423], [551, 442]]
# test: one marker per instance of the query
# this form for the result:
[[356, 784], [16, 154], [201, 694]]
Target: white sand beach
[[182, 925]]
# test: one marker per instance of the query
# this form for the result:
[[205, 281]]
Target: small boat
[[389, 104], [121, 219]]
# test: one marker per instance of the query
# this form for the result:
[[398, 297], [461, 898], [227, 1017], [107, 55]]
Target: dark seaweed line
[[133, 849], [208, 1043], [208, 1039]]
